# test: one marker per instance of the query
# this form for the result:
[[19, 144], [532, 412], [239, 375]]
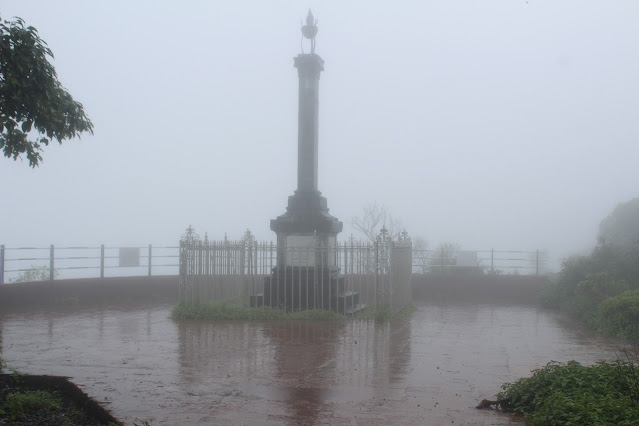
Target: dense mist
[[502, 124]]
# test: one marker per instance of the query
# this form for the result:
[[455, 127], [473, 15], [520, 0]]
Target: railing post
[[51, 262], [441, 260], [150, 258], [2, 264], [537, 263], [102, 261], [376, 274], [492, 261]]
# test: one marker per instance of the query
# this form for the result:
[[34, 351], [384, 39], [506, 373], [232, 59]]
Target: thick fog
[[508, 124]]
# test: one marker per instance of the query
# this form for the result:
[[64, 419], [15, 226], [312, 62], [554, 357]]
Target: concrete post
[[51, 262], [2, 264], [492, 261], [150, 258], [102, 261]]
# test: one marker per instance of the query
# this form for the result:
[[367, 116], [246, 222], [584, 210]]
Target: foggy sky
[[494, 124]]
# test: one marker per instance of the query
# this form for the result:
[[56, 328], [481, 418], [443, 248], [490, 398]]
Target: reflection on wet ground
[[432, 368]]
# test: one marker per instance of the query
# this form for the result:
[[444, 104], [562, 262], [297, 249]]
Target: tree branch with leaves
[[32, 100]]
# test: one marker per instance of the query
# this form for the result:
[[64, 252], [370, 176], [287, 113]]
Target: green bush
[[593, 290], [572, 394], [619, 315], [584, 282], [599, 286]]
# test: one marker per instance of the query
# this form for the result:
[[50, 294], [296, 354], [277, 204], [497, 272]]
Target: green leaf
[[26, 126]]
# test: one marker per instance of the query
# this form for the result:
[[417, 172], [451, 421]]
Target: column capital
[[308, 65]]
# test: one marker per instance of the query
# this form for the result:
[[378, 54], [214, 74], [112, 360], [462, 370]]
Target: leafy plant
[[619, 315], [38, 407], [35, 273], [17, 376], [572, 394], [593, 290], [20, 404]]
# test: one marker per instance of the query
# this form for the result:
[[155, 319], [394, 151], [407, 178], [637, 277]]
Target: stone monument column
[[308, 68], [307, 221], [307, 275]]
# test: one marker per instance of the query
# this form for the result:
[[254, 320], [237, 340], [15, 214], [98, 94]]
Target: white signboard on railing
[[129, 256]]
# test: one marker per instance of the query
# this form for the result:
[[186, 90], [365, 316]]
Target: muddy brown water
[[433, 368]]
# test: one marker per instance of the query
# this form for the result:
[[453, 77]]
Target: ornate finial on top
[[309, 30], [190, 236], [383, 236]]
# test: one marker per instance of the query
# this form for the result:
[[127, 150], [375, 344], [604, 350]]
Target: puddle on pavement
[[432, 368]]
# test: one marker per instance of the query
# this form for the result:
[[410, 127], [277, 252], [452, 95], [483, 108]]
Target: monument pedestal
[[306, 222], [306, 275]]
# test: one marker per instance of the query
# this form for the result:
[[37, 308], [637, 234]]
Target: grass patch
[[224, 311], [369, 314], [47, 400], [385, 314], [38, 407], [573, 394], [406, 312], [315, 315], [237, 311]]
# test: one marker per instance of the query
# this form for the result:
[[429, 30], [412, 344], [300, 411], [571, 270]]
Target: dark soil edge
[[68, 390]]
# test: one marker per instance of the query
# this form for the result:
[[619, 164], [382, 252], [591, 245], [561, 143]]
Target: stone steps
[[347, 302], [354, 309]]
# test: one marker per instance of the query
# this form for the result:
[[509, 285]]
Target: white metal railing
[[492, 261], [56, 262], [60, 262]]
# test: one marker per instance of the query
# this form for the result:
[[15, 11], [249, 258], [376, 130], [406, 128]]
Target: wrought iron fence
[[360, 273]]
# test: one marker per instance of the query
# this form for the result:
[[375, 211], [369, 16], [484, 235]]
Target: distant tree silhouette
[[620, 229], [373, 218]]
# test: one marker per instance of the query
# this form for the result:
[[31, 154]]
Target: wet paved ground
[[431, 369]]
